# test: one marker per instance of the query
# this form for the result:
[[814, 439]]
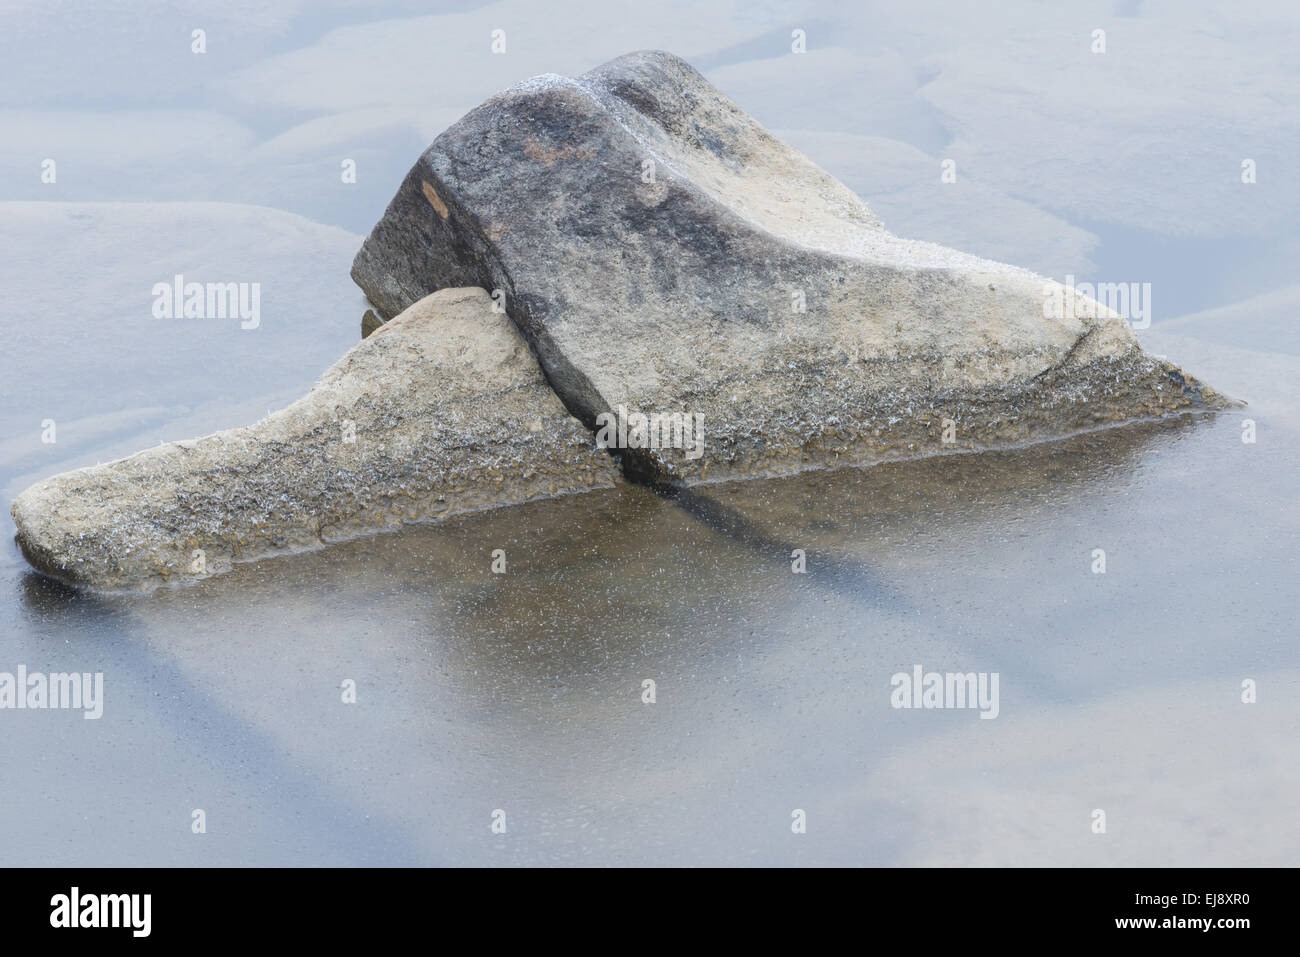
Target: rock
[[664, 253], [369, 323], [441, 411]]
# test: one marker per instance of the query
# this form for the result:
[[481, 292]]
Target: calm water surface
[[522, 691]]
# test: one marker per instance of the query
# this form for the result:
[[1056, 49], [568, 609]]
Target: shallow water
[[522, 691]]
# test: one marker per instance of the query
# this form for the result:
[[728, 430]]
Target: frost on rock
[[664, 253], [657, 253], [441, 411]]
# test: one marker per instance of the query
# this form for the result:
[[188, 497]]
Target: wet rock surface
[[439, 412], [665, 254], [594, 262]]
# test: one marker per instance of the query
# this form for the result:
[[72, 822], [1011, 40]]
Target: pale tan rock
[[441, 411]]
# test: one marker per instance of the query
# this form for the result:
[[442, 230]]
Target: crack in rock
[[626, 253]]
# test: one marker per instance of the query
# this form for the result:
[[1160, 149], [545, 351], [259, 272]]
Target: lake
[[392, 700]]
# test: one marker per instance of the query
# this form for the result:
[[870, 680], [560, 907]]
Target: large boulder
[[441, 411], [665, 254]]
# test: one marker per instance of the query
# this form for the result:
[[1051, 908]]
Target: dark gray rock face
[[663, 253]]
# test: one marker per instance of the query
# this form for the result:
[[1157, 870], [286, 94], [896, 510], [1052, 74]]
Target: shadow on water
[[836, 509], [846, 519], [212, 727], [830, 514], [636, 573], [474, 681], [47, 597], [844, 574]]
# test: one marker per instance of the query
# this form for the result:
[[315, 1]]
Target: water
[[523, 692]]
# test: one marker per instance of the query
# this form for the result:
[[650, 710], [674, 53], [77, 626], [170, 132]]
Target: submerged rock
[[441, 411], [665, 254]]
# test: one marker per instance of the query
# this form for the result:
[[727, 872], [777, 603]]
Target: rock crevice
[[625, 244], [665, 254]]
